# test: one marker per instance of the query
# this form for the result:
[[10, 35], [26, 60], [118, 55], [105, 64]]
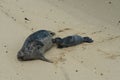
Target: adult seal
[[36, 45], [71, 41]]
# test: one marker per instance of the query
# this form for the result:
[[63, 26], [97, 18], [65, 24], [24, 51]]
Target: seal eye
[[52, 33], [39, 46]]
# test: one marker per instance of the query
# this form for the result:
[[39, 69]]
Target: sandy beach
[[98, 19]]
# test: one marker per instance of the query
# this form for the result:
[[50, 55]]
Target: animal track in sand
[[5, 47], [61, 58], [109, 55], [65, 29], [99, 31], [109, 39], [80, 33], [96, 32], [113, 56]]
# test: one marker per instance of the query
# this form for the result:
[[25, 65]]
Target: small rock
[[76, 71], [118, 21], [101, 74], [23, 11], [6, 51], [5, 46], [26, 19], [110, 2], [32, 29]]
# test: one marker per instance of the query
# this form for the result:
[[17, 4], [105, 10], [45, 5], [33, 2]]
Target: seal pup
[[71, 41], [36, 45]]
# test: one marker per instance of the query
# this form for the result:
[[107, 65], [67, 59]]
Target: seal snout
[[20, 56]]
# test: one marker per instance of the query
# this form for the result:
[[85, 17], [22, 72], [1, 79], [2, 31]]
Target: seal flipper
[[39, 43], [36, 43], [87, 39], [44, 59]]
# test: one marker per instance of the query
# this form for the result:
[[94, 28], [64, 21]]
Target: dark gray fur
[[71, 41], [36, 45]]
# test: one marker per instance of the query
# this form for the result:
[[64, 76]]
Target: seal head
[[30, 52]]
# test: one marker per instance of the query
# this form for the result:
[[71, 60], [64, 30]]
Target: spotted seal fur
[[71, 41], [36, 45]]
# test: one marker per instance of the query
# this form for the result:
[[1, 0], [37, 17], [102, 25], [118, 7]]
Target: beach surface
[[98, 19]]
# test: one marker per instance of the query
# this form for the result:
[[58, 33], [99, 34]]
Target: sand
[[99, 19]]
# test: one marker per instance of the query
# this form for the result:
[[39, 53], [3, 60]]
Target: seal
[[36, 45], [71, 41]]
